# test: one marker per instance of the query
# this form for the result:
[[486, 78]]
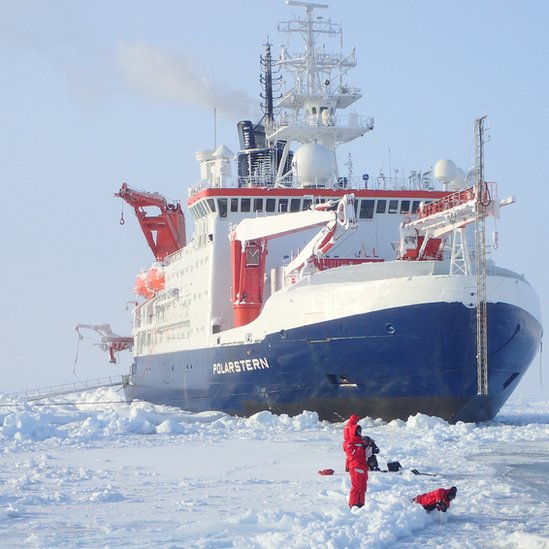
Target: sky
[[99, 93], [93, 472]]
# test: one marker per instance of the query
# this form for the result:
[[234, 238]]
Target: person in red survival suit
[[357, 455], [437, 499], [348, 430]]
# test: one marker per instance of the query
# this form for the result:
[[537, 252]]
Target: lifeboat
[[155, 279], [140, 286], [149, 283]]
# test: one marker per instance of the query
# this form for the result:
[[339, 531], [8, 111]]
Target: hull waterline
[[389, 364]]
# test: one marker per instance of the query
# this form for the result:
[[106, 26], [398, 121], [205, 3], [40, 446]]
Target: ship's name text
[[237, 366]]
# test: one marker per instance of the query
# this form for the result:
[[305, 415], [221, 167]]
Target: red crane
[[249, 249], [165, 231]]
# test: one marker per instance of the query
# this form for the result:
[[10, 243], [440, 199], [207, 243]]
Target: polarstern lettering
[[238, 366]]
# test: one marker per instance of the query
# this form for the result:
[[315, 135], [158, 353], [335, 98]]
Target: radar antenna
[[309, 6]]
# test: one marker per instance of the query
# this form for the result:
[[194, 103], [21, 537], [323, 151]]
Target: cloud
[[177, 78]]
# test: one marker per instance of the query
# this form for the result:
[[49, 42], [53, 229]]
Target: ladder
[[482, 202]]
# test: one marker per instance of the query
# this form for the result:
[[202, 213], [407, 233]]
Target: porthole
[[389, 328]]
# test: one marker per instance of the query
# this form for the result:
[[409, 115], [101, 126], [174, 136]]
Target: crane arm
[[343, 220], [284, 224], [438, 219], [249, 248], [109, 342], [165, 231]]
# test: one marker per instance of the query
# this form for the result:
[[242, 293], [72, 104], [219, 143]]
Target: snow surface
[[96, 472]]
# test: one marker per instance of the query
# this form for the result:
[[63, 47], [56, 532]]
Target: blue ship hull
[[389, 364]]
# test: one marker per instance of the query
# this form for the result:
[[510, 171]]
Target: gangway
[[75, 387]]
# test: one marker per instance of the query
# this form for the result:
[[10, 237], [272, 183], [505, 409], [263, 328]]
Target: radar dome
[[445, 171], [458, 182], [313, 165]]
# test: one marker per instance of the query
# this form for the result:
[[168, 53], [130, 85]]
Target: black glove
[[371, 442], [442, 506]]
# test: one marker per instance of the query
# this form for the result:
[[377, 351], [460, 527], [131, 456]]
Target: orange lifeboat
[[155, 279], [140, 286]]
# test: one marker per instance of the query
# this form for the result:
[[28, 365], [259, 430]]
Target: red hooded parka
[[437, 499], [358, 470], [348, 431]]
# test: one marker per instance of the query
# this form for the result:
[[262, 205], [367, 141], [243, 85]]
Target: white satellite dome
[[447, 173], [458, 182], [313, 165]]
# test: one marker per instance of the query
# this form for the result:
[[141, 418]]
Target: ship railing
[[229, 183], [174, 256], [351, 120], [422, 182], [265, 180], [75, 387], [415, 180], [457, 198], [197, 187], [262, 180], [382, 183]]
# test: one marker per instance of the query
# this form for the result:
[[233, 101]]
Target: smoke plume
[[177, 78]]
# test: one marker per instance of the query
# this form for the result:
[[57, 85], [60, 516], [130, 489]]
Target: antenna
[[309, 6], [215, 126], [214, 101]]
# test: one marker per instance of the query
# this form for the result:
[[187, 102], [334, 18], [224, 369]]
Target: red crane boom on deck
[[164, 232]]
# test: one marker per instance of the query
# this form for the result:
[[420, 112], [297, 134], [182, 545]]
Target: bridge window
[[366, 209], [381, 205], [307, 203], [258, 204], [393, 206], [283, 205], [245, 205], [415, 206], [222, 207], [405, 206], [234, 204], [211, 204], [201, 209], [295, 204], [270, 206]]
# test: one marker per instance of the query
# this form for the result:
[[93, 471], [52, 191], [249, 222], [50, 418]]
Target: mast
[[270, 84], [482, 202], [308, 112], [267, 83]]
